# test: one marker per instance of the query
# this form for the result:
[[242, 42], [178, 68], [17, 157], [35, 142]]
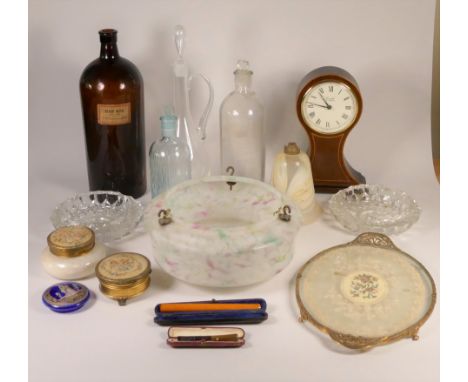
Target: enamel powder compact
[[66, 297]]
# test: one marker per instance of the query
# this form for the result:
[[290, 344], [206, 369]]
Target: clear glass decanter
[[170, 161], [187, 131], [241, 115]]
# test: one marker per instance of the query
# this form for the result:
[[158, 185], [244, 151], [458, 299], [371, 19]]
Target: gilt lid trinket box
[[123, 275]]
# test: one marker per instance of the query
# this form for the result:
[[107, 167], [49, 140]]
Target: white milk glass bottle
[[292, 176], [241, 117]]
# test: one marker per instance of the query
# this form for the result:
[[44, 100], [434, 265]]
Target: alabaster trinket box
[[223, 231], [365, 293], [72, 253]]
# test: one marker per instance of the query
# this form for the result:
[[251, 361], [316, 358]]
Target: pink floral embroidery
[[364, 286]]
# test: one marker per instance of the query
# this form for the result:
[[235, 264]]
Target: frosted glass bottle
[[241, 118], [292, 175], [170, 161]]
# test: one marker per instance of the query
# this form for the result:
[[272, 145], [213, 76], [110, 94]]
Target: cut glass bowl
[[375, 208], [223, 231], [111, 215]]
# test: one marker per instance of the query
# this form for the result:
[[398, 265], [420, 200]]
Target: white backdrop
[[386, 45]]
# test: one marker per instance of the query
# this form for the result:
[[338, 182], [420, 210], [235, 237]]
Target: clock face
[[329, 107]]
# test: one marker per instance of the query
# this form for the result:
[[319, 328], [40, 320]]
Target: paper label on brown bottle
[[114, 114]]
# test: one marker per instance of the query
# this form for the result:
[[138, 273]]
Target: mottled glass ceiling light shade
[[222, 231]]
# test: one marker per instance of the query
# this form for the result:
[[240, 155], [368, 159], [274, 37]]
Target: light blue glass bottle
[[169, 158]]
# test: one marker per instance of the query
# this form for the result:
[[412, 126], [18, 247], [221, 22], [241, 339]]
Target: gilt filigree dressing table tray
[[365, 293]]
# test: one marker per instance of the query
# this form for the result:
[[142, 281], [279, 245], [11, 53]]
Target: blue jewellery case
[[212, 312]]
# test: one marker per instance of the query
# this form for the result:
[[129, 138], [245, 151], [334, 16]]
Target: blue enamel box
[[65, 297], [212, 312]]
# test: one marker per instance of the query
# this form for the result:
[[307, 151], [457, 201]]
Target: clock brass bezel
[[312, 82]]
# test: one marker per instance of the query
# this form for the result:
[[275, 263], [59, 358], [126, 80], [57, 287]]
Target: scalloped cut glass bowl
[[374, 208], [222, 237], [110, 214]]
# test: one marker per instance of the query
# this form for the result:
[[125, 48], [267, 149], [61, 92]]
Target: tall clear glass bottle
[[241, 117], [170, 161]]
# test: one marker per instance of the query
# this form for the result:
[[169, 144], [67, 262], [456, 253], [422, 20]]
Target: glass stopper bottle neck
[[168, 126], [243, 81], [168, 133], [109, 50]]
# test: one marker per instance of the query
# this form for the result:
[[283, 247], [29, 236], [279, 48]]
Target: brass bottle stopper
[[292, 149]]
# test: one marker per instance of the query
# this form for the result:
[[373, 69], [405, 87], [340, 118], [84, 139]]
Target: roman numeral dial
[[329, 107]]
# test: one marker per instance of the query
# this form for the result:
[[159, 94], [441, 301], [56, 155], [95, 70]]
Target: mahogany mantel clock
[[329, 105]]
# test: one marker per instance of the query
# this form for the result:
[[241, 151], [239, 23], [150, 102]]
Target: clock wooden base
[[329, 189], [331, 171]]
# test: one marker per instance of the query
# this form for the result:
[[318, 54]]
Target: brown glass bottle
[[111, 90]]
